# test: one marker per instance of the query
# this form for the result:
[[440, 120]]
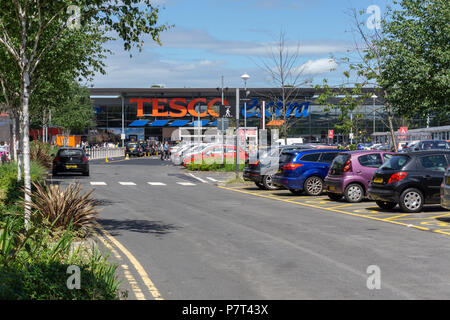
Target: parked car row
[[410, 179], [184, 154]]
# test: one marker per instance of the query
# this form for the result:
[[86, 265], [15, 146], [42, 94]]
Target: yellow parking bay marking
[[328, 209], [397, 216], [141, 271], [130, 279], [342, 205]]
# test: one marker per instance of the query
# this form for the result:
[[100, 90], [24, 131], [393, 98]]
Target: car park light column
[[236, 161]]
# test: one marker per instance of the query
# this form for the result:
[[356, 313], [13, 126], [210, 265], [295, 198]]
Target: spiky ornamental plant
[[64, 207]]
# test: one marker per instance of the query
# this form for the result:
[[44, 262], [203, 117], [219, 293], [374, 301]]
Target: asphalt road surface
[[195, 240]]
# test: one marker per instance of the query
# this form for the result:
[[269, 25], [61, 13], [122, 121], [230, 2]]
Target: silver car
[[445, 190]]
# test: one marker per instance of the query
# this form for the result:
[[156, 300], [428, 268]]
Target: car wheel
[[386, 205], [313, 186], [297, 192], [54, 173], [335, 196], [354, 193], [411, 200], [260, 185], [268, 184], [86, 174]]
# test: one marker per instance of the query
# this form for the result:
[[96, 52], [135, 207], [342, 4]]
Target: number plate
[[279, 171], [378, 180], [331, 188], [447, 181], [71, 166]]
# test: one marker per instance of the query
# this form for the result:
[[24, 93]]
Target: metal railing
[[103, 153]]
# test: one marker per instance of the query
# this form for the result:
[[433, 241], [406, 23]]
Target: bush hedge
[[9, 186]]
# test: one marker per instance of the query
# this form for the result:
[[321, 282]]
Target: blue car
[[304, 170]]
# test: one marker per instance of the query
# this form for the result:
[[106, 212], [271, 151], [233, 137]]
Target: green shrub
[[213, 167], [33, 265], [10, 189], [41, 153], [64, 207]]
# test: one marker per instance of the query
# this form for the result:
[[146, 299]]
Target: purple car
[[351, 172]]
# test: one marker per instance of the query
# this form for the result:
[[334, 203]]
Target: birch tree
[[24, 24]]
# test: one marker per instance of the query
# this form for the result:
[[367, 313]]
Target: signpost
[[330, 135]]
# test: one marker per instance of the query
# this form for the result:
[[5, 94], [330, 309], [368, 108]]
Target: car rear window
[[370, 160], [287, 157], [397, 162], [338, 164], [70, 153]]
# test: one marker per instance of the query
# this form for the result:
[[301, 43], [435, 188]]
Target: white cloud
[[314, 67], [181, 38]]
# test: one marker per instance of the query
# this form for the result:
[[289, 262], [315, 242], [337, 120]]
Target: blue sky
[[227, 38]]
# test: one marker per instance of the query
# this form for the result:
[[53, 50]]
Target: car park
[[350, 174], [262, 170], [410, 180], [445, 190], [70, 160], [304, 170]]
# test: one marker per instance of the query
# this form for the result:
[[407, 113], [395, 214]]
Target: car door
[[433, 166], [369, 164]]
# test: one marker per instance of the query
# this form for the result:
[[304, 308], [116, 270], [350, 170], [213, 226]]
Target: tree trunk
[[26, 144], [14, 136], [19, 145]]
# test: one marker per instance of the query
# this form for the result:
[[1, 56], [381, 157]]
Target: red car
[[215, 153]]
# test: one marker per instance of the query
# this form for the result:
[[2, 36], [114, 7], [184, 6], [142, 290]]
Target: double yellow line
[[109, 241]]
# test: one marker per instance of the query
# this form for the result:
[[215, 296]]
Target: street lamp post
[[245, 77], [122, 135], [374, 97]]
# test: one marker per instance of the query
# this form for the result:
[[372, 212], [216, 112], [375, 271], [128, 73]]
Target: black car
[[410, 179], [261, 171], [71, 160], [134, 149], [431, 145]]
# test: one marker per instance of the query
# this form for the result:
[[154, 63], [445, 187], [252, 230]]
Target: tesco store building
[[154, 113]]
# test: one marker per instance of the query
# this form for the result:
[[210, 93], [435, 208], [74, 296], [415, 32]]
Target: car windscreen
[[132, 145], [70, 153], [397, 162], [338, 164], [286, 157]]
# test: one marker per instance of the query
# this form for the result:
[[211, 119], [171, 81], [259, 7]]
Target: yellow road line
[[129, 277], [342, 205], [441, 215], [142, 273], [397, 216], [332, 210]]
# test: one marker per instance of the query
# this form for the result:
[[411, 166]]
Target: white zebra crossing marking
[[212, 179], [156, 183], [186, 183], [199, 179], [98, 183], [127, 183]]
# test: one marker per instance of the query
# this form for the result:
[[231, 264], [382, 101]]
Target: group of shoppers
[[4, 152]]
